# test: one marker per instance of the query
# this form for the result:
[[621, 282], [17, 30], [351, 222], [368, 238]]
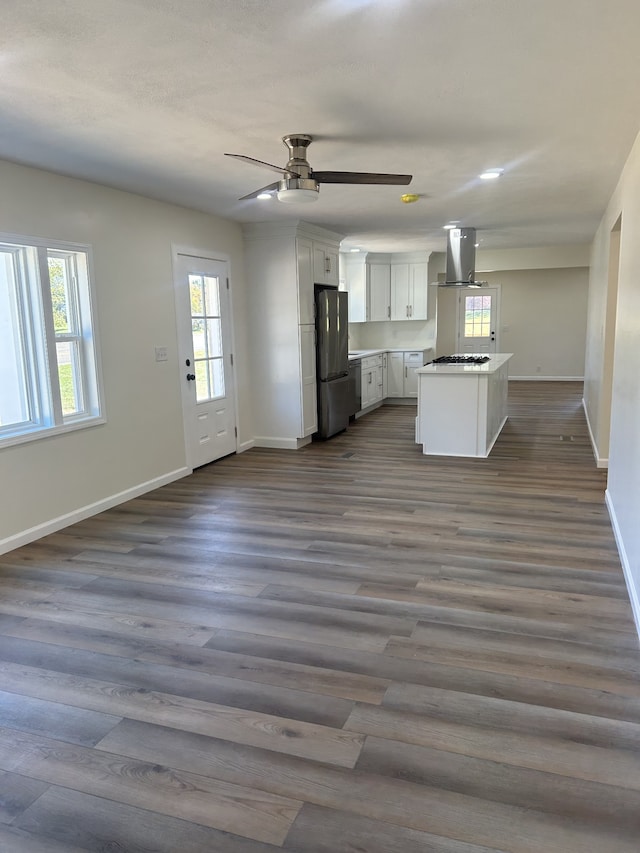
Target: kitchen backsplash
[[421, 333]]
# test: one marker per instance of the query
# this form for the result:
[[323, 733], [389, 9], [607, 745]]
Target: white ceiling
[[147, 95]]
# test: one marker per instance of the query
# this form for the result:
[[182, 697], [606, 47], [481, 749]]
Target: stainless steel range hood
[[461, 259]]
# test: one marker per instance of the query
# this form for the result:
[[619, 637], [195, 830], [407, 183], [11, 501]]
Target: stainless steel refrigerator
[[332, 346]]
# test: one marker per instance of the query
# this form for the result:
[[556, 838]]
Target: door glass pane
[[202, 381], [477, 316], [195, 293], [212, 296], [217, 377], [199, 338], [214, 338], [206, 329]]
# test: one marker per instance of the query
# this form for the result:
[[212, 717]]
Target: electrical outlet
[[162, 354]]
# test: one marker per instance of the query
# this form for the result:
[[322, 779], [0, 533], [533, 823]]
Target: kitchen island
[[462, 407]]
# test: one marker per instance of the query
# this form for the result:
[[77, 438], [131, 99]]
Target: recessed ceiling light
[[264, 195], [491, 174]]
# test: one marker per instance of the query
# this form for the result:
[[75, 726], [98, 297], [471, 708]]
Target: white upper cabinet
[[409, 291], [418, 291], [399, 291], [304, 255], [386, 287], [325, 263], [379, 279]]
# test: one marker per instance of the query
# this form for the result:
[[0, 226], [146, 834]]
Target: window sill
[[50, 432]]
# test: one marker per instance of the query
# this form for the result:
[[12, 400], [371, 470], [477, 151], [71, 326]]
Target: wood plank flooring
[[349, 648]]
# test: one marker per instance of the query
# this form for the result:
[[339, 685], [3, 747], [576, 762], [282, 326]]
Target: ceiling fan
[[300, 183]]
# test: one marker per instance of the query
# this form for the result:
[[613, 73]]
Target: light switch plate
[[162, 354]]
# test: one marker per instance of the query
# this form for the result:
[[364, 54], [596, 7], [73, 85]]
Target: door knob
[[191, 376]]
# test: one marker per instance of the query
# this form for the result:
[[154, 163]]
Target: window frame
[[39, 340]]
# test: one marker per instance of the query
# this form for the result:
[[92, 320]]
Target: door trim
[[209, 255]]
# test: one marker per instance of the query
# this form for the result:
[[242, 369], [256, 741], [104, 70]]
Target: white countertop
[[364, 353], [496, 360]]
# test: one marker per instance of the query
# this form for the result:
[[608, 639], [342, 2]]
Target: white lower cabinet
[[401, 373], [412, 360], [395, 374], [385, 374], [309, 407], [372, 381]]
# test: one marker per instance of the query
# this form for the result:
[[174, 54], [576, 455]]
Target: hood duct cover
[[461, 259]]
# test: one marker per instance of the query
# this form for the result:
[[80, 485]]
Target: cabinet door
[[325, 264], [418, 292], [385, 357], [307, 339], [304, 253], [332, 275], [379, 383], [412, 360], [379, 276], [399, 291], [364, 389], [395, 374], [356, 286]]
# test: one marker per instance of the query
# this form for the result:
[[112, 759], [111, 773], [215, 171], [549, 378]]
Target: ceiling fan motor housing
[[297, 144]]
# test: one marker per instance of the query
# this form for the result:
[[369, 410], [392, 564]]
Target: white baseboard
[[55, 524], [601, 461], [634, 594], [245, 445], [538, 378], [281, 443]]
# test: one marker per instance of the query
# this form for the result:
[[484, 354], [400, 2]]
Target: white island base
[[462, 407]]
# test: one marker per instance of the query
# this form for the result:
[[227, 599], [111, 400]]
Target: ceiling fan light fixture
[[294, 190], [293, 196], [265, 195]]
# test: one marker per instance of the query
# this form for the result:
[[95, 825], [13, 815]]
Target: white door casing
[[477, 319], [203, 310]]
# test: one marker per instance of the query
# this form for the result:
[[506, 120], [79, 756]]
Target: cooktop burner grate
[[461, 359]]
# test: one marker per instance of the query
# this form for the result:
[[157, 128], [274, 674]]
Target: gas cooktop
[[461, 359]]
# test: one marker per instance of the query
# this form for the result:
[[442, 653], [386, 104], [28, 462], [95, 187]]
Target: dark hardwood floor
[[349, 648]]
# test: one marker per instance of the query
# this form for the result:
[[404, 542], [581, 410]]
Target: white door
[[206, 361], [478, 310]]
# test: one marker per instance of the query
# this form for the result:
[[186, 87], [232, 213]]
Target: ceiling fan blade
[[269, 188], [280, 169], [361, 178]]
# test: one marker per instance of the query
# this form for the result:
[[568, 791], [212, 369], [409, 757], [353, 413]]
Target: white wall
[[143, 439], [623, 492]]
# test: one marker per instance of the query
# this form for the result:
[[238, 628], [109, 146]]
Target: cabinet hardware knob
[[191, 377]]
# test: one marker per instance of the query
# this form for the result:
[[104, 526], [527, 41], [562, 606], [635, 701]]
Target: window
[[48, 367]]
